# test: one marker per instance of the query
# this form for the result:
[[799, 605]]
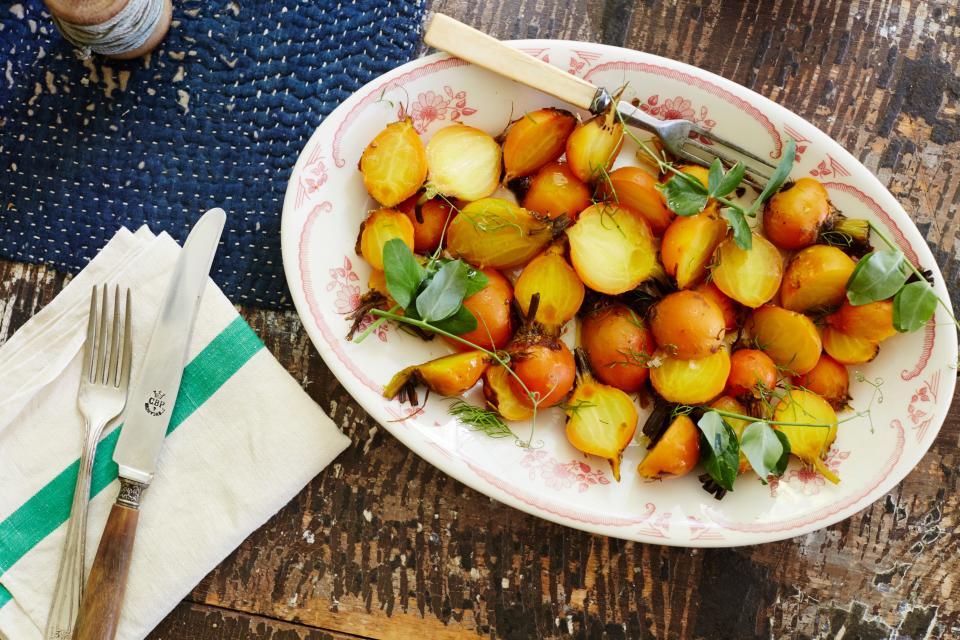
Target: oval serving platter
[[326, 200]]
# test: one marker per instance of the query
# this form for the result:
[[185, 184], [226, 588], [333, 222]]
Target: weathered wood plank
[[190, 621]]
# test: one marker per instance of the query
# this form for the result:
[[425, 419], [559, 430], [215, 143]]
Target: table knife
[[149, 405]]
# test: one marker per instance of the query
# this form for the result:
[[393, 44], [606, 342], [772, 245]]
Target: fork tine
[[726, 158], [115, 338], [127, 345], [100, 375], [750, 177], [723, 142], [89, 346]]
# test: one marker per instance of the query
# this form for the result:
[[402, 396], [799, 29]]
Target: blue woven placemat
[[216, 116]]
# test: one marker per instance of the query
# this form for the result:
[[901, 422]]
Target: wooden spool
[[86, 12]]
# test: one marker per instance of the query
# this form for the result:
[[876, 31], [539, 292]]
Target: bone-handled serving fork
[[101, 398], [474, 46]]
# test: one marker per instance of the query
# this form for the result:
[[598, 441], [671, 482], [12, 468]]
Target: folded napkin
[[243, 440]]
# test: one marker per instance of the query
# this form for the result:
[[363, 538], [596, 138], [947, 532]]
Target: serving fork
[[474, 46], [101, 397]]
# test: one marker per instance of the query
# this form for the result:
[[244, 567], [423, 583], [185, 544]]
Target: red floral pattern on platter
[[703, 530], [312, 176], [540, 54], [923, 404], [829, 167], [679, 108], [559, 475], [344, 281], [580, 61], [431, 106], [810, 480], [802, 142]]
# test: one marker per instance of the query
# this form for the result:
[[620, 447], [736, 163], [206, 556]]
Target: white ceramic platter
[[326, 200]]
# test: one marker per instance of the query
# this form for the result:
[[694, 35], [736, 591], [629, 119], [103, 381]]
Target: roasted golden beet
[[728, 307], [382, 226], [872, 321], [534, 140], [749, 277], [464, 162], [793, 217], [618, 346], [808, 443], [594, 145], [752, 374], [547, 370], [789, 338], [601, 420], [687, 325], [675, 453], [636, 189], [449, 375], [491, 307], [556, 192], [689, 244], [497, 233], [612, 249], [828, 379], [500, 396], [429, 220], [561, 292], [394, 164], [691, 381], [816, 278], [847, 349]]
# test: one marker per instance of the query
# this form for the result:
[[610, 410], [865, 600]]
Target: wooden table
[[383, 545]]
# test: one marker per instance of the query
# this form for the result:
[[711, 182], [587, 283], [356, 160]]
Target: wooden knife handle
[[103, 597], [474, 46]]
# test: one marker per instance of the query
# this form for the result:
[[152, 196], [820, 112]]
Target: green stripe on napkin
[[50, 507]]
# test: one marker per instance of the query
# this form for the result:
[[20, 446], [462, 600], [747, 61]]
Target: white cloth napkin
[[251, 442]]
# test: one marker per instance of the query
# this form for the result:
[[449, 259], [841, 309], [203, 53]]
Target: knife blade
[[153, 395]]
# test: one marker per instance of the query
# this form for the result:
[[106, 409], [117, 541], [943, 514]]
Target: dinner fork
[[682, 138], [101, 397]]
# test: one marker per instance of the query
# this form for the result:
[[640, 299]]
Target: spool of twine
[[119, 29]]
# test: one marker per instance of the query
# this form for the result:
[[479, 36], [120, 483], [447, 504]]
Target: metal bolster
[[130, 491], [601, 101]]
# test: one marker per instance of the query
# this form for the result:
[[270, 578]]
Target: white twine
[[124, 32]]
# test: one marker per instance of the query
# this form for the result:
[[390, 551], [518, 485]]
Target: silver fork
[[101, 398], [474, 46]]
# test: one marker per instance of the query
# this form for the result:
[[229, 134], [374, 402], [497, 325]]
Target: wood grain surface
[[383, 545]]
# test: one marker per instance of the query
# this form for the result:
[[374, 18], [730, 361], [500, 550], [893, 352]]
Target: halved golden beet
[[382, 226], [816, 278], [691, 381], [534, 140], [500, 396], [618, 346], [612, 249], [749, 277], [560, 289], [872, 321], [829, 379], [807, 442], [555, 192], [729, 308], [594, 145], [464, 162], [601, 420], [497, 233], [687, 325], [394, 164], [676, 452], [789, 338], [726, 403], [688, 246], [752, 374], [636, 189], [847, 349], [449, 375], [793, 217]]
